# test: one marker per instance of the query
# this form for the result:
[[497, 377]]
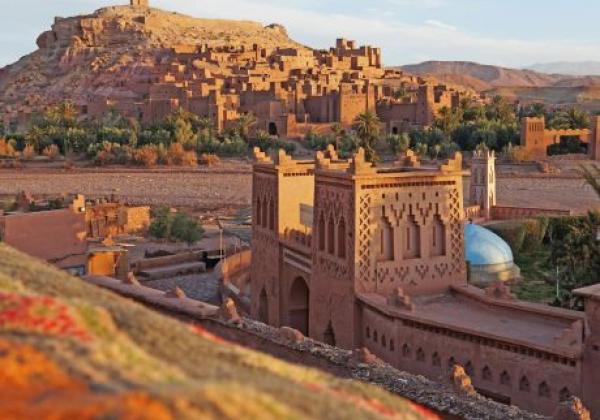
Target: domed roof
[[484, 247]]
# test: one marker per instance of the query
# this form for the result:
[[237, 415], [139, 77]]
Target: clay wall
[[54, 236], [414, 234], [536, 139], [496, 371]]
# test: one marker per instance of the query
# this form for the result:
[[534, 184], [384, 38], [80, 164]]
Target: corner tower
[[483, 181], [139, 3]]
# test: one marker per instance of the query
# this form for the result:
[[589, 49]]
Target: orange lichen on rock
[[33, 386], [39, 314]]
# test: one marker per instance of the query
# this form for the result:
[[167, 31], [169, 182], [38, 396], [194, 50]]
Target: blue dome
[[484, 247]]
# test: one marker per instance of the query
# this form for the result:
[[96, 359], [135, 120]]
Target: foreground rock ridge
[[91, 353]]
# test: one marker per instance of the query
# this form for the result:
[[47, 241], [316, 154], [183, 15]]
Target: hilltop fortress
[[147, 63]]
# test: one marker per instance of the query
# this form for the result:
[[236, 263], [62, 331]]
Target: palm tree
[[368, 128], [578, 119], [244, 124], [338, 134]]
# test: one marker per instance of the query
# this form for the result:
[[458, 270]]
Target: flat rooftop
[[515, 322]]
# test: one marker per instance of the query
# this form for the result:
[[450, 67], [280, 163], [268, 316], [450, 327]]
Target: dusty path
[[209, 189], [229, 186]]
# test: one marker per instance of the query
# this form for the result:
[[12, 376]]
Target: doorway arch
[[299, 305], [273, 129]]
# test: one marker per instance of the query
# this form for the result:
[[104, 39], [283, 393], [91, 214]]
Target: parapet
[[408, 159]]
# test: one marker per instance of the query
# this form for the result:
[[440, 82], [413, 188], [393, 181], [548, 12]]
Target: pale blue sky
[[505, 32]]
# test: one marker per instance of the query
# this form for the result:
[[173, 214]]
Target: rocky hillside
[[83, 54], [574, 68], [524, 85], [70, 350]]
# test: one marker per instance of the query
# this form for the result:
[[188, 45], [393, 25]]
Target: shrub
[[176, 227], [51, 151], [146, 156], [513, 232], [29, 152], [535, 232], [185, 228], [177, 155], [398, 142], [209, 159], [7, 148]]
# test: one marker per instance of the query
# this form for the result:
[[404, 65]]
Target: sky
[[512, 33]]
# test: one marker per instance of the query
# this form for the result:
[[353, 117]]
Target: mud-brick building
[[358, 256]]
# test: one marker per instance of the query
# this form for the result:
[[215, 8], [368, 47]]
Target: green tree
[[368, 128], [244, 124], [185, 228], [184, 134]]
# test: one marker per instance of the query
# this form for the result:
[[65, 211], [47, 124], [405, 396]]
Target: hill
[[524, 85], [71, 350], [573, 68], [86, 54]]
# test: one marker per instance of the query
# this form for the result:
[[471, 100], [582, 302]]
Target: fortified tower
[[532, 136], [483, 181], [139, 3]]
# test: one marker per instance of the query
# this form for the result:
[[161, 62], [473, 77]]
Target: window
[[436, 360], [505, 379], [413, 239], [564, 394], [383, 341], [451, 362], [438, 231], [386, 252], [524, 385], [258, 220], [420, 355], [331, 236], [264, 211], [486, 374], [321, 233], [368, 332], [405, 351], [375, 335], [469, 369], [544, 390], [342, 238], [271, 215], [392, 346]]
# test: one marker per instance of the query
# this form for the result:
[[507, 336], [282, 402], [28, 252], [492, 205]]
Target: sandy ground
[[227, 187]]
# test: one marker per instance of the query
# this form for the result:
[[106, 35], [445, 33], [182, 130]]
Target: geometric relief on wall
[[456, 233], [364, 234], [332, 268]]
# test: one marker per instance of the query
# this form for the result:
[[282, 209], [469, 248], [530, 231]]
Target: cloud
[[440, 25]]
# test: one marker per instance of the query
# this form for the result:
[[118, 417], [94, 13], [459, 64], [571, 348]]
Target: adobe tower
[[139, 3]]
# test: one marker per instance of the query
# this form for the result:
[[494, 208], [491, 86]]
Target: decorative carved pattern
[[364, 272], [332, 268]]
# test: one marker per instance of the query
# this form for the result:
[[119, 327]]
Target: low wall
[[157, 262], [234, 278], [258, 336], [510, 213]]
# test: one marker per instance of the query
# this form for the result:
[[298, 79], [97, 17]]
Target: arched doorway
[[273, 129], [299, 298], [263, 307]]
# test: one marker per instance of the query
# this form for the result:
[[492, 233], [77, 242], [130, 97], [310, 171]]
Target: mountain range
[[525, 85]]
